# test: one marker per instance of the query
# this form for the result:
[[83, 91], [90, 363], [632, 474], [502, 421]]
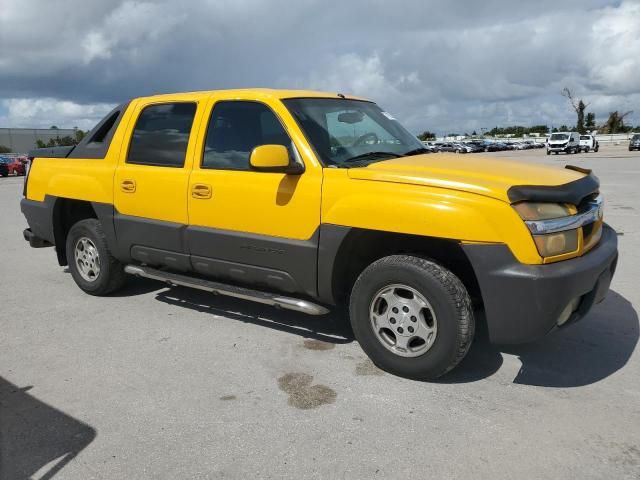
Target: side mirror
[[274, 158]]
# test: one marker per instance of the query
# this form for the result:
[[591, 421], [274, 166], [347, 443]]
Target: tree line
[[66, 141], [585, 122]]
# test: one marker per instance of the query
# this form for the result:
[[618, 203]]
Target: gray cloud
[[435, 64]]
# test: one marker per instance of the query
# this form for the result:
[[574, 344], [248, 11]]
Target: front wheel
[[412, 317], [91, 264]]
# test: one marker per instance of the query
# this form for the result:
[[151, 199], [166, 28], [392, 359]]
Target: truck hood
[[490, 177]]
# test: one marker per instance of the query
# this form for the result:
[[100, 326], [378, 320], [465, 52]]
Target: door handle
[[201, 191], [128, 186]]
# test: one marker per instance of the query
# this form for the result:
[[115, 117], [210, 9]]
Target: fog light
[[568, 310], [554, 244]]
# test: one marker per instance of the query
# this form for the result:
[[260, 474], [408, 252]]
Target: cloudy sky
[[434, 64]]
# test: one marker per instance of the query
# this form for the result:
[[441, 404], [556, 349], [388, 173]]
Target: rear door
[[150, 183]]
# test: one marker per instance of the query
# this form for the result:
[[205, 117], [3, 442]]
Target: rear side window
[[161, 135], [235, 129]]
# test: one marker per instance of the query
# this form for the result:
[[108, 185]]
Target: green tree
[[427, 135], [79, 135], [4, 149], [66, 141], [590, 121]]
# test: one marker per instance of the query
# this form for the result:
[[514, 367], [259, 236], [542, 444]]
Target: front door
[[150, 184], [246, 226]]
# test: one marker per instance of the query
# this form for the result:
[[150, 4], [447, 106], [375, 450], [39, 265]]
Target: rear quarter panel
[[78, 178]]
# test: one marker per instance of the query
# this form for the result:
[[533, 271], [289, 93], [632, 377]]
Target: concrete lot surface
[[159, 382]]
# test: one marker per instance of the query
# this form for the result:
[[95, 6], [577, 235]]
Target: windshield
[[348, 133], [636, 137], [559, 136]]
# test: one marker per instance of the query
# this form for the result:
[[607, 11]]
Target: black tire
[[445, 293], [111, 276], [548, 152]]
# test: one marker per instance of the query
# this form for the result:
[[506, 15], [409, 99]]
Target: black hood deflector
[[573, 192]]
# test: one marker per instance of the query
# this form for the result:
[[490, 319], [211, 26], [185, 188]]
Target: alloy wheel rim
[[87, 259], [403, 321]]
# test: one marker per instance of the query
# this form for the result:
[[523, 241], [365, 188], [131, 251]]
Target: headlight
[[559, 243], [548, 240], [542, 211]]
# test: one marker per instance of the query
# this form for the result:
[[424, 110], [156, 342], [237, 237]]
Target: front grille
[[587, 230], [591, 232]]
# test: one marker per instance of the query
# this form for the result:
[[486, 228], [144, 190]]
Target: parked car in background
[[492, 147], [4, 166], [533, 144], [589, 142], [17, 166], [567, 142], [446, 147], [462, 148], [12, 166], [473, 147], [430, 146], [634, 143]]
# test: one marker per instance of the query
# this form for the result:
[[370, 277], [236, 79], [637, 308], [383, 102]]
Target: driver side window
[[235, 129]]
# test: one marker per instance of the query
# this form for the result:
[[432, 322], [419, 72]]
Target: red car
[[17, 165]]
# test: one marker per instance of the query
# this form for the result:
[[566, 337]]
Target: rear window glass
[[585, 137], [161, 135]]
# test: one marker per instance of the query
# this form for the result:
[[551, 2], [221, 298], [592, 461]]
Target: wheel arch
[[68, 211], [346, 252]]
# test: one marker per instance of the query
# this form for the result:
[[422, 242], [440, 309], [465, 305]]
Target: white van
[[567, 142]]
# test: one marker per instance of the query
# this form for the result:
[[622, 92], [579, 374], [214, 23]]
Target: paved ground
[[170, 383]]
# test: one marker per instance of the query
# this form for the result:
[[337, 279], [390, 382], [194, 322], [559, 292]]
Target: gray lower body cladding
[[303, 267], [524, 302]]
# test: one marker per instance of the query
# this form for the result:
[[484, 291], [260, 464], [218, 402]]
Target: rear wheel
[[91, 264], [411, 316]]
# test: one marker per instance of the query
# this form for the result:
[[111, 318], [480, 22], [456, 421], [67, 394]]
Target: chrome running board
[[275, 300]]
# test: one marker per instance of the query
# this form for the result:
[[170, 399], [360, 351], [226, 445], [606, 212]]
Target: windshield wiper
[[373, 154]]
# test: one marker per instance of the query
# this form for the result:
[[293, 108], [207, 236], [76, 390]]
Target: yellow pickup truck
[[305, 200]]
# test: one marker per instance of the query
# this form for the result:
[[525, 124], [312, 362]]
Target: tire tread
[[456, 291]]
